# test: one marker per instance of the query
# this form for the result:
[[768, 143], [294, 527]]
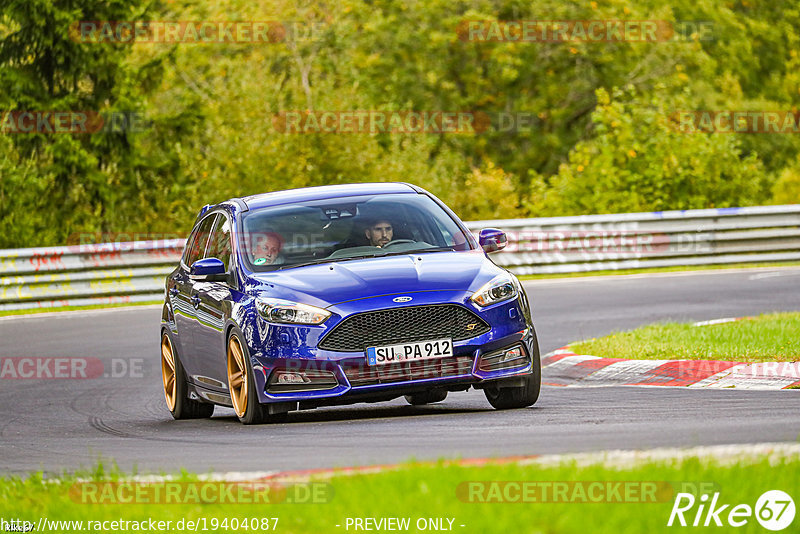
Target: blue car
[[340, 294]]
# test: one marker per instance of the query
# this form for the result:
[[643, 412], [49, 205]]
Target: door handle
[[196, 301], [174, 291]]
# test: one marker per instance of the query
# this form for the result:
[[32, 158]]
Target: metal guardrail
[[135, 271], [654, 239], [79, 275]]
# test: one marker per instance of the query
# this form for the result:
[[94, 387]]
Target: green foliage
[[786, 189], [639, 160], [211, 108], [56, 185], [498, 198], [22, 188]]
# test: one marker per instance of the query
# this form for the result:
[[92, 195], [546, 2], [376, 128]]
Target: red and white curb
[[563, 367]]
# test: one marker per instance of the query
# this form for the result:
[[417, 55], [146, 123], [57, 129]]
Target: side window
[[197, 241], [220, 246]]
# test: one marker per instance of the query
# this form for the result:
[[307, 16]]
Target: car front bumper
[[314, 377]]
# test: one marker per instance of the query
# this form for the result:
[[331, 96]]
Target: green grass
[[767, 338], [676, 269], [6, 313], [439, 491]]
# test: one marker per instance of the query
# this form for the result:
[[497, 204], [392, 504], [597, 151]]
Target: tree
[[85, 182], [639, 160]]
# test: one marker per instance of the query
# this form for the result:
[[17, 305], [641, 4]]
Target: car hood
[[333, 283]]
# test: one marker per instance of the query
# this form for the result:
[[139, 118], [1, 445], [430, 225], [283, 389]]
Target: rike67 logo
[[774, 510]]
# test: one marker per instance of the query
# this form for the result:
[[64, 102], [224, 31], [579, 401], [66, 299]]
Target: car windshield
[[348, 228]]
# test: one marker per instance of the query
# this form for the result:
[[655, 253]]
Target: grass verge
[[469, 496], [676, 269], [31, 311], [767, 338]]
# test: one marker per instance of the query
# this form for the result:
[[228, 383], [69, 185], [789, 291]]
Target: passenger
[[379, 233], [266, 248]]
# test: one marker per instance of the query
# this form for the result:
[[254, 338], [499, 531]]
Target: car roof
[[305, 194]]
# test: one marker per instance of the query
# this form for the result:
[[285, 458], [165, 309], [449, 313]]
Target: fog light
[[510, 358], [512, 354], [292, 378], [295, 380]]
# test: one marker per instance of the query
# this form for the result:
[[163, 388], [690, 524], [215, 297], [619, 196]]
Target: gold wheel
[[237, 376], [168, 372]]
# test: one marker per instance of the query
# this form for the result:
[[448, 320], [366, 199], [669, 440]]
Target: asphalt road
[[70, 424]]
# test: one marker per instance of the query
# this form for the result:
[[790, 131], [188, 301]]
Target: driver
[[266, 247], [379, 233]]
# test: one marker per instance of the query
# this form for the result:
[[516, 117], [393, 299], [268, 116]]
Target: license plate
[[424, 350]]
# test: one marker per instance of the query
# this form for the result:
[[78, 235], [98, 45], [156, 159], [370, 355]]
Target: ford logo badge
[[401, 299]]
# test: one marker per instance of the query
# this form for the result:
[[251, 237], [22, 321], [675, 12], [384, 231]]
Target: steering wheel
[[398, 242]]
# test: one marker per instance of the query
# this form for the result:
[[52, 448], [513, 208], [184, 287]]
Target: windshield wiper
[[292, 265], [433, 249]]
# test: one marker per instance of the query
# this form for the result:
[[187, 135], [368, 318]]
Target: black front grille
[[404, 325], [366, 375]]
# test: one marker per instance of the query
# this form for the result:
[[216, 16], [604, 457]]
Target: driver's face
[[380, 233], [266, 248]]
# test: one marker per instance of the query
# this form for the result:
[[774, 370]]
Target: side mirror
[[208, 270], [492, 239]]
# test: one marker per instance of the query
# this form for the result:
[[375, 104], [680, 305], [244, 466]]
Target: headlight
[[501, 287], [285, 311]]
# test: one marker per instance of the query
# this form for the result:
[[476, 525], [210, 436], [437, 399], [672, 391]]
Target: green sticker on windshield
[[260, 261]]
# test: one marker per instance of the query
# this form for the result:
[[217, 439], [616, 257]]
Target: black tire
[[255, 413], [508, 398], [185, 408], [426, 397]]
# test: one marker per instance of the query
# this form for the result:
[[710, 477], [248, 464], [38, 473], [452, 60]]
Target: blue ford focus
[[334, 295]]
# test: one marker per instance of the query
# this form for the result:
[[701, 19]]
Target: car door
[[184, 303], [214, 303]]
